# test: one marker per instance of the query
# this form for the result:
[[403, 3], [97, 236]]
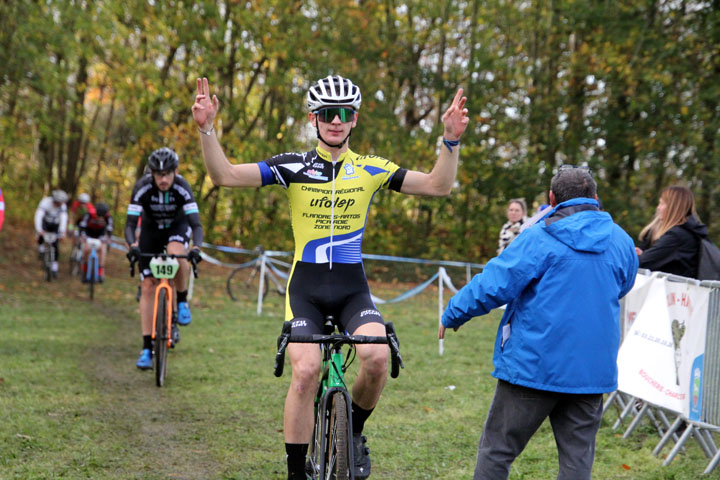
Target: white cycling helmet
[[332, 92], [84, 198], [59, 196]]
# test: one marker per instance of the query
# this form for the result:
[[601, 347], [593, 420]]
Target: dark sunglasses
[[327, 115], [570, 167]]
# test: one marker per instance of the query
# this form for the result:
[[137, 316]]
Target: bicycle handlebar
[[338, 340], [193, 261]]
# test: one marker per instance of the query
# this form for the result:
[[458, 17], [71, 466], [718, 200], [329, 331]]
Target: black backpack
[[709, 261]]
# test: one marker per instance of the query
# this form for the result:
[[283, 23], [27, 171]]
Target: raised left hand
[[455, 117]]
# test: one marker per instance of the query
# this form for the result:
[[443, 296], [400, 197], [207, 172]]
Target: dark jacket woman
[[676, 252], [671, 242]]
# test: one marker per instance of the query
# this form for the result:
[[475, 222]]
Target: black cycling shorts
[[316, 292], [154, 240]]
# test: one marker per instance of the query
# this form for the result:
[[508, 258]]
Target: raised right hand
[[205, 108]]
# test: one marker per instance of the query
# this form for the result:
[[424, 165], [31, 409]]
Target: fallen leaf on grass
[[428, 409], [626, 467]]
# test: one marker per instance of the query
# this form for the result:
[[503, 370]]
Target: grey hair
[[573, 183]]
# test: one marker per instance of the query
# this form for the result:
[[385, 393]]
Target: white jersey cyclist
[[51, 217]]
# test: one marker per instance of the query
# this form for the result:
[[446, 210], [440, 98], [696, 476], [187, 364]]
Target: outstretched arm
[[221, 171], [440, 180]]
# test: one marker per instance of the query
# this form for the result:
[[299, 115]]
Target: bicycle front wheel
[[161, 337], [339, 441], [92, 264], [47, 261]]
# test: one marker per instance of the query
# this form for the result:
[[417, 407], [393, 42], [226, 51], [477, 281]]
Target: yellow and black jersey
[[330, 202]]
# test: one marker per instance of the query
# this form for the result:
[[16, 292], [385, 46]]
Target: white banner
[[660, 360], [635, 300]]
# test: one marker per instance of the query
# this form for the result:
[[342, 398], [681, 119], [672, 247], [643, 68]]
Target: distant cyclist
[[97, 224], [170, 218], [330, 189], [78, 208], [51, 217]]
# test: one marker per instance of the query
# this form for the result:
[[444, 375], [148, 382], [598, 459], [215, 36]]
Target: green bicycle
[[331, 451]]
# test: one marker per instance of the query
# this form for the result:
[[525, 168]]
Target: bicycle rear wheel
[[75, 259], [339, 441], [161, 337]]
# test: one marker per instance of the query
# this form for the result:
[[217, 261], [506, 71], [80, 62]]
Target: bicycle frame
[[164, 288]]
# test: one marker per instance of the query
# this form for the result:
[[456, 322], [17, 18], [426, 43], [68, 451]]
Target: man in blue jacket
[[557, 344]]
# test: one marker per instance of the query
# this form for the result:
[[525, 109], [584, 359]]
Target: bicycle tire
[[75, 260], [47, 262], [339, 441], [161, 340], [245, 275], [93, 277]]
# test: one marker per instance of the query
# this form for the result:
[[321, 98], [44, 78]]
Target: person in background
[[557, 343], [97, 224], [51, 217], [79, 208], [516, 215], [671, 242]]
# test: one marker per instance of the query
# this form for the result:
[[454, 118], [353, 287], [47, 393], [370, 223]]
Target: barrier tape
[[279, 253]]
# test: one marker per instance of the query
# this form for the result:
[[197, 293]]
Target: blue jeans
[[515, 415]]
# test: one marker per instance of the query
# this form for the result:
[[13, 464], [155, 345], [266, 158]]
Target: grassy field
[[73, 405]]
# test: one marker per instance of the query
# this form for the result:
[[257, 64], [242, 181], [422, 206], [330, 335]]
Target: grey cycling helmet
[[332, 92], [59, 196], [83, 198], [163, 159]]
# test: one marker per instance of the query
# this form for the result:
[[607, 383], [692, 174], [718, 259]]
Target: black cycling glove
[[133, 254], [194, 255]]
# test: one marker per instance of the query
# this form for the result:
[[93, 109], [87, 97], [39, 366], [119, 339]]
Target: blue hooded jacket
[[562, 280]]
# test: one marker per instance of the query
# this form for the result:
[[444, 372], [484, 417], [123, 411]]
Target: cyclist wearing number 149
[[169, 219], [330, 189]]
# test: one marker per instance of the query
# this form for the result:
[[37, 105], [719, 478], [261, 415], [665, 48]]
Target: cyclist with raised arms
[[51, 217], [170, 218], [330, 189]]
